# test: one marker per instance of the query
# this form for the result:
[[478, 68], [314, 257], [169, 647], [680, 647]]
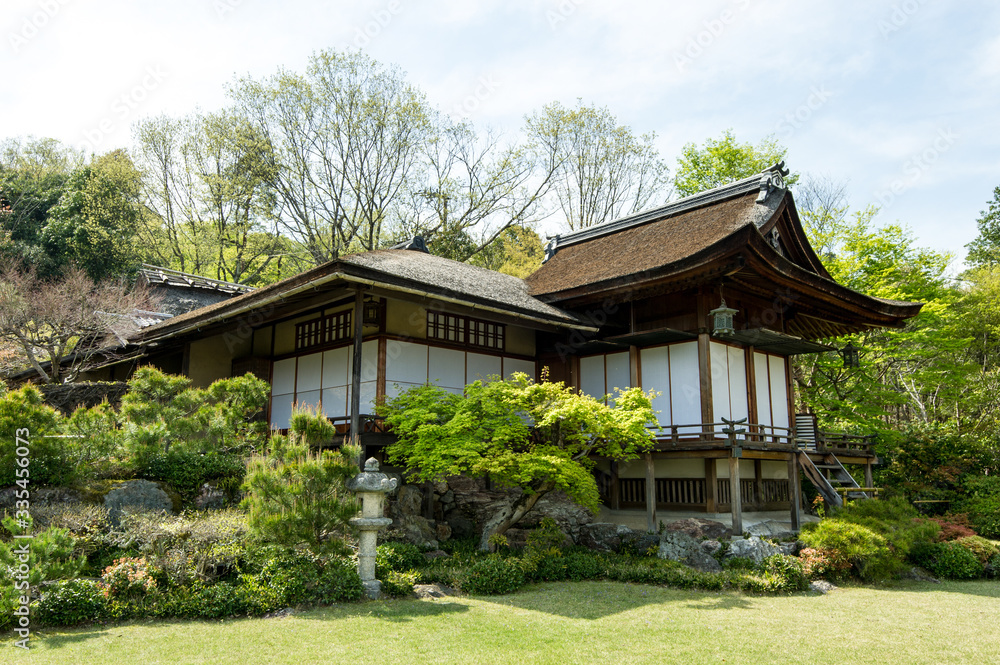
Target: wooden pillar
[[705, 374], [650, 494], [794, 490], [711, 483], [616, 492], [736, 501], [869, 479], [758, 484], [356, 370]]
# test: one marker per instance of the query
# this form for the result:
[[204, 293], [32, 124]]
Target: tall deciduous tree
[[33, 175], [536, 436], [475, 188], [602, 169], [723, 160], [985, 249], [206, 182], [95, 222], [61, 326], [344, 140]]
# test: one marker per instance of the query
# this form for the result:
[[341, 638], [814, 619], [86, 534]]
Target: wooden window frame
[[323, 330], [467, 331]]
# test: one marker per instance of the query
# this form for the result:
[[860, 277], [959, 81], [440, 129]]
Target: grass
[[585, 622]]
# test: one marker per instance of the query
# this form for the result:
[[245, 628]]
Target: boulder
[[40, 496], [210, 497], [821, 586], [443, 531], [697, 527], [711, 546], [410, 500], [677, 546], [461, 526], [464, 485], [772, 529], [754, 548], [703, 561], [136, 496], [417, 530], [602, 536], [432, 591], [435, 554]]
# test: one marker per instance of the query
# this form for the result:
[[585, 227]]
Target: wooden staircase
[[828, 476]]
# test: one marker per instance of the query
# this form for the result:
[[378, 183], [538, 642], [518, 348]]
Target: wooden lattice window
[[463, 330], [324, 330]]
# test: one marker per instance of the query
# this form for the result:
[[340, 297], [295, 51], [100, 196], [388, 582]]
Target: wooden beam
[[356, 368], [869, 479], [794, 490], [711, 483], [650, 494], [735, 499]]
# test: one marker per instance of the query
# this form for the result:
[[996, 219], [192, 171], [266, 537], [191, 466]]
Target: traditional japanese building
[[703, 300]]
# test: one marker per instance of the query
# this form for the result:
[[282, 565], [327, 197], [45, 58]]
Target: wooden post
[[705, 374], [869, 478], [711, 483], [736, 501], [356, 371], [616, 492], [650, 494], [794, 489], [758, 485]]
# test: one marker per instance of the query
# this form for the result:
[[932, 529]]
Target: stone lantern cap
[[371, 479]]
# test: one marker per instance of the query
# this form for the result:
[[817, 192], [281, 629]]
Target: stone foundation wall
[[461, 505]]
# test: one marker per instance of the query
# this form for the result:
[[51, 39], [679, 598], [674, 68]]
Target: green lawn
[[586, 622]]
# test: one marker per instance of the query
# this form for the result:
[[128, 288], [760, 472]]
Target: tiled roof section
[[458, 280], [400, 269], [155, 275], [659, 241]]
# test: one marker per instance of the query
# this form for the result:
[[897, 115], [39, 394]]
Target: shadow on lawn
[[597, 600], [394, 611]]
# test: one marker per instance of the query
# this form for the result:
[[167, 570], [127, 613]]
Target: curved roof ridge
[[765, 181]]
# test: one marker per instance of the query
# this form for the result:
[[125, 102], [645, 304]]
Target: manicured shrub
[[128, 579], [865, 551], [584, 566], [494, 575], [397, 556], [821, 564], [399, 584], [303, 577], [983, 505], [894, 519], [25, 409], [547, 566], [71, 602], [953, 526], [787, 571], [948, 559], [186, 471], [981, 548]]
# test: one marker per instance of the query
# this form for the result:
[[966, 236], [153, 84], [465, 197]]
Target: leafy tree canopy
[[535, 436], [985, 249], [724, 160]]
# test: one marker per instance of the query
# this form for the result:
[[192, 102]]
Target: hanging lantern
[[722, 320], [850, 355], [372, 314]]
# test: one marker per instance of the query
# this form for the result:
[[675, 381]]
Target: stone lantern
[[371, 486]]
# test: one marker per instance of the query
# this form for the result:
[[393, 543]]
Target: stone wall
[[461, 505]]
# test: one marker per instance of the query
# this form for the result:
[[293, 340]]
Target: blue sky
[[898, 98]]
